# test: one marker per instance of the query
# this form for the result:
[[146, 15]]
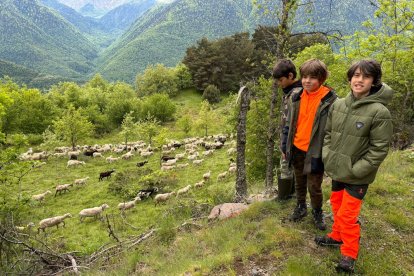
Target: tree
[[148, 128], [128, 127], [183, 76], [211, 94], [73, 127], [159, 106], [185, 124], [157, 79], [205, 117]]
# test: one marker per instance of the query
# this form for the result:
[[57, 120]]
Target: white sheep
[[232, 169], [97, 154], [222, 175], [170, 162], [39, 164], [74, 163], [198, 162], [74, 153], [162, 197], [24, 228], [129, 204], [62, 188], [81, 181], [207, 175], [93, 212], [231, 151], [146, 153], [179, 156], [49, 222], [127, 155], [167, 167], [208, 152], [199, 184], [183, 165], [111, 159], [41, 197], [183, 190]]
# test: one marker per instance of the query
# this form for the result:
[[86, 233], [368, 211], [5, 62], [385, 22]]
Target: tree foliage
[[211, 94], [157, 79]]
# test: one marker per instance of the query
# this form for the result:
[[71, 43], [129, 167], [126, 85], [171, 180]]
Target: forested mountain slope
[[37, 38]]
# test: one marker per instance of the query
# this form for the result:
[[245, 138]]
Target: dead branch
[[110, 230]]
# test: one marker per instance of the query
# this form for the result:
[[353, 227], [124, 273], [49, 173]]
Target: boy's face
[[284, 82], [361, 84], [310, 84]]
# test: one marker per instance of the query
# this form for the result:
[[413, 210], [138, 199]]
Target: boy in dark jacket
[[284, 74], [358, 134], [303, 138]]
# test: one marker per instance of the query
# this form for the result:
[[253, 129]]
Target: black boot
[[319, 219], [285, 188], [346, 264], [299, 212], [327, 241]]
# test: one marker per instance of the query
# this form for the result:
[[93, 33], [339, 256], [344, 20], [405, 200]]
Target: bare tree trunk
[[241, 179]]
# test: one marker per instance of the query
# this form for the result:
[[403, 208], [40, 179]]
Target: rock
[[227, 210]]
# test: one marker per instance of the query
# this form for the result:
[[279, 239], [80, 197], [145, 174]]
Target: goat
[[106, 174], [142, 163]]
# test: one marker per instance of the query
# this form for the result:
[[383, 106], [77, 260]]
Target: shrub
[[211, 94]]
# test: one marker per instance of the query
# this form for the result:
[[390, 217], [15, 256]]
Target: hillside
[[180, 240], [35, 37], [163, 34]]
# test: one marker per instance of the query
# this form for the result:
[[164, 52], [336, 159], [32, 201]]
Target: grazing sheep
[[111, 159], [81, 181], [207, 175], [231, 151], [93, 212], [198, 162], [142, 163], [232, 169], [222, 176], [73, 153], [63, 187], [49, 222], [145, 193], [183, 165], [208, 152], [179, 156], [162, 197], [38, 165], [74, 163], [41, 197], [192, 156], [165, 158], [129, 204], [199, 184], [106, 174], [97, 154], [146, 153], [183, 190], [38, 156], [170, 162], [127, 155], [28, 227], [167, 168], [90, 152]]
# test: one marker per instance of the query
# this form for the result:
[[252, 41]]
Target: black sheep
[[106, 174], [145, 193], [142, 163]]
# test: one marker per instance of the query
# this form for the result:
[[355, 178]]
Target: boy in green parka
[[358, 135]]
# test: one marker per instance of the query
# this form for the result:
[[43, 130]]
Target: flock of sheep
[[195, 152]]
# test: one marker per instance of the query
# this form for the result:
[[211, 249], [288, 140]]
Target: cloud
[[165, 1]]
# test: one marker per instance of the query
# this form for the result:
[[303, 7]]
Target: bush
[[211, 94], [159, 106]]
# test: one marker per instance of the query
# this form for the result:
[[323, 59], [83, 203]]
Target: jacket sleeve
[[380, 138], [327, 138], [285, 129]]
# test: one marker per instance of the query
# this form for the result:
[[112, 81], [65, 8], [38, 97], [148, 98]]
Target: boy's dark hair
[[282, 69], [314, 68], [368, 67]]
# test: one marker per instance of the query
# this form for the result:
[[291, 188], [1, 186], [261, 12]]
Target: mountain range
[[52, 38]]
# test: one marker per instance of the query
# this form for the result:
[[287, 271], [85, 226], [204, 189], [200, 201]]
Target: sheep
[[74, 163], [81, 181], [63, 187], [73, 153], [90, 152], [24, 228], [145, 193], [183, 165], [208, 152], [106, 174], [179, 156], [207, 175], [41, 197], [162, 197], [167, 168], [92, 212], [198, 162], [127, 155], [170, 162], [183, 190], [165, 158], [192, 156], [38, 165], [111, 159], [97, 154], [142, 163], [128, 205], [231, 151], [199, 184], [49, 222], [146, 153], [232, 169], [222, 175], [38, 156]]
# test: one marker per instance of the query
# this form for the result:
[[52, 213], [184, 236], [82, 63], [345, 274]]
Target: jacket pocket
[[344, 168], [317, 165]]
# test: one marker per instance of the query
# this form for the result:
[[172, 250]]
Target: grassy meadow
[[261, 241]]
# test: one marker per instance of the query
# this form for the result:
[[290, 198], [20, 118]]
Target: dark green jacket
[[313, 159], [358, 134]]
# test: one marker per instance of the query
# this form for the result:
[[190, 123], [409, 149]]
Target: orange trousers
[[346, 209]]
